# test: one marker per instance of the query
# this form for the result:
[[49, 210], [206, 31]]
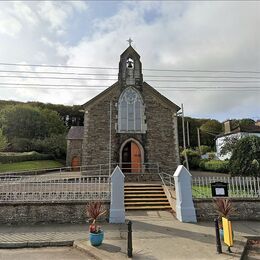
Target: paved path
[[156, 235], [53, 253]]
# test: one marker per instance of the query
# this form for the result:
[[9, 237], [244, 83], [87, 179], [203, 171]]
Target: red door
[[135, 158], [75, 163]]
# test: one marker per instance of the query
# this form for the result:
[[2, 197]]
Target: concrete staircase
[[145, 197]]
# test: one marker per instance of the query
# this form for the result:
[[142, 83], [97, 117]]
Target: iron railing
[[238, 187], [99, 169], [82, 183], [167, 180], [52, 189]]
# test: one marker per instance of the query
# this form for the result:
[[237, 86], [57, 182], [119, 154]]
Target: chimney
[[227, 127]]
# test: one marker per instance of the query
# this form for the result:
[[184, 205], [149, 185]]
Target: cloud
[[57, 13], [207, 36], [9, 25], [167, 35]]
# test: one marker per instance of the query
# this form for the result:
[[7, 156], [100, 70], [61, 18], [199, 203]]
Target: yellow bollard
[[228, 236]]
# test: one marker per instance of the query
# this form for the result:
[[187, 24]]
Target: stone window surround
[[142, 108]]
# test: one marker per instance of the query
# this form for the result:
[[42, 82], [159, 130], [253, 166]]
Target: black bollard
[[218, 243], [129, 241]]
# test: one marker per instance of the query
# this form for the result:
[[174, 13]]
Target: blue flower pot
[[96, 239]]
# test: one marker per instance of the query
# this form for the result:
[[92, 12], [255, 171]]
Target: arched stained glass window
[[131, 111]]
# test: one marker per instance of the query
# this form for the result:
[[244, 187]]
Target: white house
[[234, 132]]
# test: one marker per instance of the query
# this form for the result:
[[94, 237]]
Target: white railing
[[52, 189], [238, 187], [82, 183], [167, 180], [98, 169]]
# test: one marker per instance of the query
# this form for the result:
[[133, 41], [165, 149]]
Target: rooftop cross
[[129, 41]]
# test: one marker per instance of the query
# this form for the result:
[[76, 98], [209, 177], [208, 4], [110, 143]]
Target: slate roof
[[75, 133], [243, 129]]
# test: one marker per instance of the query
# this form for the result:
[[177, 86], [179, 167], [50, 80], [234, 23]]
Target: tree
[[246, 122], [71, 115], [24, 121], [212, 126], [55, 145], [245, 159], [25, 126], [3, 141], [229, 145]]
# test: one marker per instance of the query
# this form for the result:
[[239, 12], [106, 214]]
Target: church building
[[130, 124]]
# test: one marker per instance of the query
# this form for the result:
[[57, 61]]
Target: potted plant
[[95, 210], [224, 208]]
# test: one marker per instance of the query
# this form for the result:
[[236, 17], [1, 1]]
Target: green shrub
[[22, 157], [205, 149], [214, 165], [21, 145], [193, 158], [245, 159], [202, 163], [212, 156], [55, 145], [3, 141]]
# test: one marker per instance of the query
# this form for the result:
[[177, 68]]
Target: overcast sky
[[179, 35]]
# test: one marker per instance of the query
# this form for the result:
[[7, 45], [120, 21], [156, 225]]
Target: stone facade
[[245, 209], [74, 144], [158, 139], [47, 212], [160, 142], [74, 149]]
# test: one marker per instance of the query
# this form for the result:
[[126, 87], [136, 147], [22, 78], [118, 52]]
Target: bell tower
[[130, 68]]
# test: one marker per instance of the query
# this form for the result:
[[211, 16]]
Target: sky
[[169, 36]]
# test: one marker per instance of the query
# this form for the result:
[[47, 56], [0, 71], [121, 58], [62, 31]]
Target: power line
[[112, 68], [152, 80], [207, 81], [105, 74], [57, 66], [88, 87]]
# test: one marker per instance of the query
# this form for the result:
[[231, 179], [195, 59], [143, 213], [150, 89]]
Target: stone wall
[[160, 142], [32, 213], [246, 209]]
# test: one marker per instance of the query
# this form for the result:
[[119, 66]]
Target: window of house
[[131, 111]]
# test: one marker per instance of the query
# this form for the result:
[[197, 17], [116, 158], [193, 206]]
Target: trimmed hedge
[[214, 166], [22, 157], [193, 158]]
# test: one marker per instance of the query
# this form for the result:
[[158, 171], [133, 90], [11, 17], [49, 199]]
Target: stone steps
[[145, 197]]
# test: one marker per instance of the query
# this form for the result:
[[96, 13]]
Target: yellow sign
[[227, 229]]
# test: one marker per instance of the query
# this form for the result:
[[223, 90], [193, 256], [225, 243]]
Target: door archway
[[75, 163], [131, 156]]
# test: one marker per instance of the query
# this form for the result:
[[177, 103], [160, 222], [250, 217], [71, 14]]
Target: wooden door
[[126, 158], [75, 163], [135, 158]]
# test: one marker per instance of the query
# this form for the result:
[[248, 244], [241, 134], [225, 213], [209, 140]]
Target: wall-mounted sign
[[219, 189]]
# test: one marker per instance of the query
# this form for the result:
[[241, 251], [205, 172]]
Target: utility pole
[[198, 133], [184, 139], [188, 134], [110, 138]]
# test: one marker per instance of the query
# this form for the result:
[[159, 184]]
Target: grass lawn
[[205, 192], [29, 165]]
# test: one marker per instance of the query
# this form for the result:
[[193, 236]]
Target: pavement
[[156, 235], [53, 253]]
